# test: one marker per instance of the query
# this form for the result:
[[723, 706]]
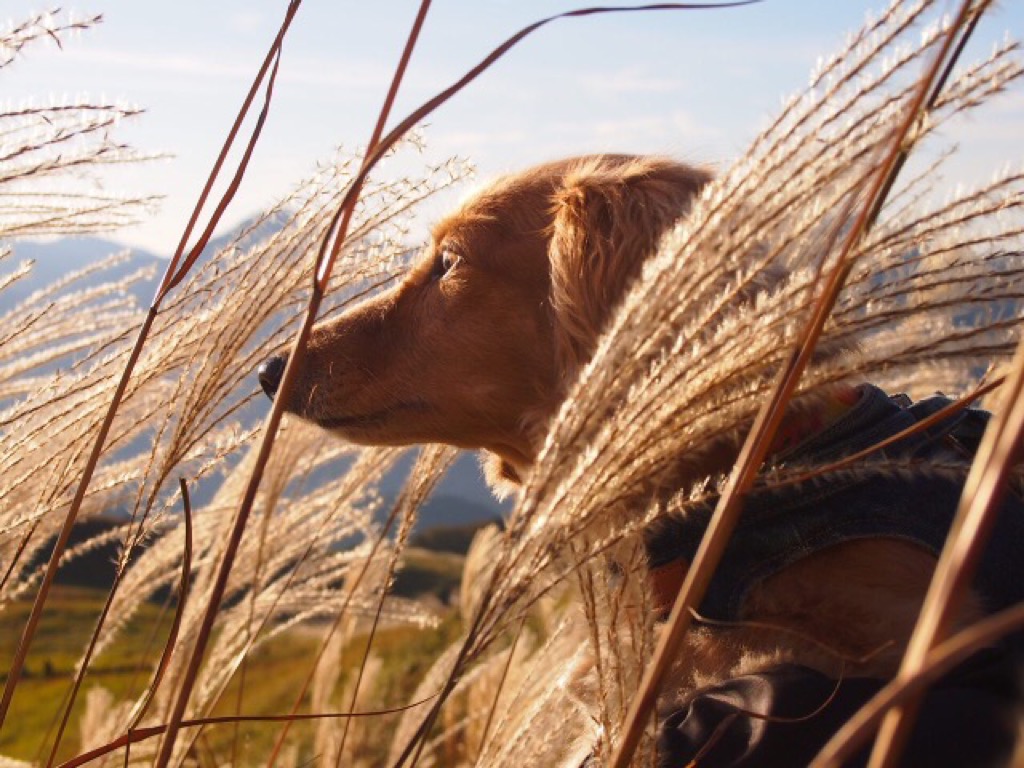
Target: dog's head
[[478, 344]]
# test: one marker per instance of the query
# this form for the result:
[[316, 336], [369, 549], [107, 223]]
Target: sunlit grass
[[545, 630], [273, 669], [62, 636]]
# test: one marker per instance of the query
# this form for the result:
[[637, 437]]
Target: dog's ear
[[609, 216]]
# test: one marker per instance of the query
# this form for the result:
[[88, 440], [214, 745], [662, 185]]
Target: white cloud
[[172, 64], [629, 81], [246, 21]]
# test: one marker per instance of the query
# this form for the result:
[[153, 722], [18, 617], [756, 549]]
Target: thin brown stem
[[501, 686], [392, 564], [18, 552], [32, 623], [172, 637], [758, 443], [979, 508], [142, 734], [173, 275], [335, 626], [335, 237]]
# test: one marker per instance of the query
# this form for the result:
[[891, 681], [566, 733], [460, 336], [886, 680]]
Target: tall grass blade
[[942, 658], [979, 507], [271, 426], [142, 734], [757, 444], [142, 706], [32, 624]]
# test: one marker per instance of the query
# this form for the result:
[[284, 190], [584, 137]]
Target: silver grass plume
[[182, 413], [213, 350], [50, 154]]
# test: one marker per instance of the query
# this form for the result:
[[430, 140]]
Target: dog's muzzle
[[270, 374]]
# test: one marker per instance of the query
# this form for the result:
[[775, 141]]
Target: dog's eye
[[449, 260]]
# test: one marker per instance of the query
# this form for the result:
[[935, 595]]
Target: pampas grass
[[48, 154], [555, 627], [180, 417]]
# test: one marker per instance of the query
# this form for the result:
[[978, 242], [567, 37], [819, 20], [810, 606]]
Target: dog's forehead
[[507, 205]]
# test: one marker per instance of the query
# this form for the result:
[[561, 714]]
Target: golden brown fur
[[478, 346], [481, 356]]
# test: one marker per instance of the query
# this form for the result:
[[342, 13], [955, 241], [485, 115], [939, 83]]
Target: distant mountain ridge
[[56, 259]]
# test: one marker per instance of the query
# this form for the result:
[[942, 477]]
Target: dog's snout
[[270, 374]]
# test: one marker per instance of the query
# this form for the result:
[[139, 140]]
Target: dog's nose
[[270, 374]]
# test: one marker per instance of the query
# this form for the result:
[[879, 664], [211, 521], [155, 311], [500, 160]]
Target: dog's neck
[[506, 470]]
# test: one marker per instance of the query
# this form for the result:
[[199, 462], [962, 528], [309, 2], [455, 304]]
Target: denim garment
[[781, 525]]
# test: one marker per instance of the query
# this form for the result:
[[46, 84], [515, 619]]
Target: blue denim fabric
[[781, 525]]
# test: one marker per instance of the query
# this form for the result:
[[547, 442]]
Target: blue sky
[[696, 85]]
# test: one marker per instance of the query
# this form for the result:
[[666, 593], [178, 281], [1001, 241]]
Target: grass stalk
[[177, 269], [412, 498], [250, 619], [938, 661], [758, 442], [142, 706], [978, 510], [143, 734], [335, 626], [32, 623], [170, 279], [83, 667], [266, 619], [501, 685], [101, 621], [332, 244]]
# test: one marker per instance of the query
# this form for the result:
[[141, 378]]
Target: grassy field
[[272, 676], [66, 626]]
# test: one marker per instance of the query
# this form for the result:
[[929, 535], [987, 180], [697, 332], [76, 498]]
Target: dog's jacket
[[889, 498], [783, 717], [971, 716]]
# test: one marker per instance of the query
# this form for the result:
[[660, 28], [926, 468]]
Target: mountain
[[464, 481], [460, 498], [56, 259]]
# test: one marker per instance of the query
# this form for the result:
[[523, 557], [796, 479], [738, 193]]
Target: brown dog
[[479, 343], [478, 346]]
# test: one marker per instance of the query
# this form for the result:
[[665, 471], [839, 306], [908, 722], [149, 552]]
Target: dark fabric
[[972, 716], [781, 525], [968, 719]]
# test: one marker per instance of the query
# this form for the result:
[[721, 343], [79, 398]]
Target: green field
[[272, 677], [66, 626]]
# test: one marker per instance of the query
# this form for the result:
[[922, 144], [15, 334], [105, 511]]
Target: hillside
[[55, 259]]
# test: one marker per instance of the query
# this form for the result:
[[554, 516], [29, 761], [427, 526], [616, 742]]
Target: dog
[[478, 346]]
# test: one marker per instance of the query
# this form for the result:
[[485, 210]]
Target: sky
[[696, 85]]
